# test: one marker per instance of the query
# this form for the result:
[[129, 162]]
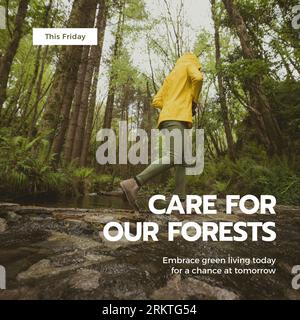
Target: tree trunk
[[222, 94], [68, 147], [65, 77], [38, 89], [273, 138], [62, 125], [94, 61], [214, 141], [7, 59], [113, 74], [92, 102], [26, 105]]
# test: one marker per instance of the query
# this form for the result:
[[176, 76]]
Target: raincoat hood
[[189, 58]]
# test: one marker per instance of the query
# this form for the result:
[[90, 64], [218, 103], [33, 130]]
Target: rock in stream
[[60, 253]]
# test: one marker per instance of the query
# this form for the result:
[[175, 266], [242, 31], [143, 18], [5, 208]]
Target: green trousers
[[168, 161]]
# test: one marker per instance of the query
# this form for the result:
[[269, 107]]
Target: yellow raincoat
[[180, 88]]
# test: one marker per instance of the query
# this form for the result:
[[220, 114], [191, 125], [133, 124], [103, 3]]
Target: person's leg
[[132, 186], [167, 161], [154, 169], [180, 182]]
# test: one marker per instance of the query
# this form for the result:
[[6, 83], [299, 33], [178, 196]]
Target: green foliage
[[82, 180], [248, 176], [25, 165], [285, 100], [135, 10], [105, 182], [246, 70]]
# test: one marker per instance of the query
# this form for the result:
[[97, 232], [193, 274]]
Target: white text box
[[65, 36]]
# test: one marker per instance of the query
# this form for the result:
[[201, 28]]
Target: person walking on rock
[[177, 100]]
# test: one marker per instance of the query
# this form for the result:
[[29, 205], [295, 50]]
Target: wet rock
[[292, 294], [287, 209], [68, 215], [3, 225], [8, 206], [66, 261], [123, 242], [12, 216], [44, 268], [98, 219], [40, 218], [225, 217], [59, 255], [85, 279], [23, 210], [98, 258], [285, 266], [190, 288], [83, 243], [75, 223], [37, 270], [23, 293]]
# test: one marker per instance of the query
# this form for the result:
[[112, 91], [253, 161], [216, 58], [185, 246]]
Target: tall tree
[[62, 90], [113, 72], [38, 64], [7, 59], [76, 104], [272, 135], [222, 94], [62, 125], [92, 70]]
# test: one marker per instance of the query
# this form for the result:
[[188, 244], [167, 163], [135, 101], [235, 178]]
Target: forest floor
[[60, 253]]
